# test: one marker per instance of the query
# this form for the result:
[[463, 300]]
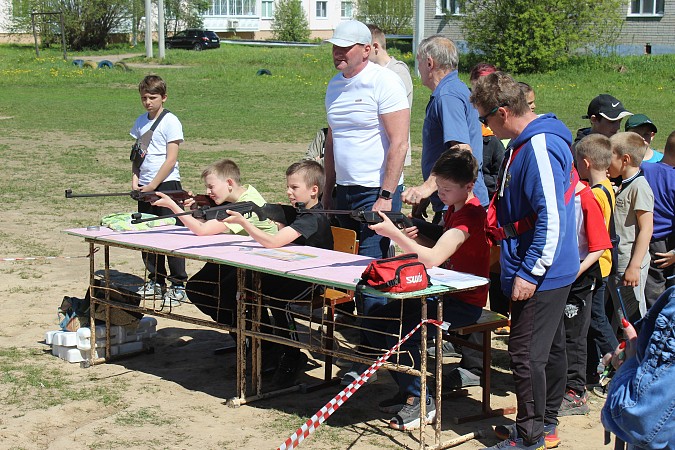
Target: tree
[[529, 36], [87, 23], [392, 16], [289, 22], [184, 14]]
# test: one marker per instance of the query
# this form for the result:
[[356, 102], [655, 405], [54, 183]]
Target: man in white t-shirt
[[367, 139], [379, 55]]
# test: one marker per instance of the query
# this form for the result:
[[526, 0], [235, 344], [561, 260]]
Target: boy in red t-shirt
[[462, 247], [593, 240]]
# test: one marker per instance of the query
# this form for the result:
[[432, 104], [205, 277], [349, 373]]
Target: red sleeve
[[596, 231], [470, 219]]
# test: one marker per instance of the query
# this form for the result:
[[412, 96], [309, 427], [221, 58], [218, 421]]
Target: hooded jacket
[[535, 182]]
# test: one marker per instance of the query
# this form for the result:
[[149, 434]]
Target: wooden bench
[[486, 324]]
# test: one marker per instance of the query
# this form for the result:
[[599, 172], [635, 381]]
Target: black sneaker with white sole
[[393, 405]]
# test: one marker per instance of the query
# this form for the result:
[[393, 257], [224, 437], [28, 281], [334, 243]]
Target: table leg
[[241, 339], [423, 375], [92, 303], [256, 350], [106, 281], [439, 371]]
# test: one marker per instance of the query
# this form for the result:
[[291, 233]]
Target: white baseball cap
[[350, 32]]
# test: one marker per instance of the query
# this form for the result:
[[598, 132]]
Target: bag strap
[[159, 119], [496, 233]]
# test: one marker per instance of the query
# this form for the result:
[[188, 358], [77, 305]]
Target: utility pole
[[160, 27], [418, 32], [148, 28]]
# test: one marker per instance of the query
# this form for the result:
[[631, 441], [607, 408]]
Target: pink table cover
[[311, 264]]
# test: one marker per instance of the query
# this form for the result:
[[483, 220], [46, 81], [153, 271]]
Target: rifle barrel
[[69, 194]]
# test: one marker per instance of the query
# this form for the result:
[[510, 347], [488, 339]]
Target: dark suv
[[194, 39]]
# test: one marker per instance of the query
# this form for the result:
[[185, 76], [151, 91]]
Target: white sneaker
[[150, 289], [174, 296]]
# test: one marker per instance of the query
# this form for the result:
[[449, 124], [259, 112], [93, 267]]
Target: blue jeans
[[370, 243], [458, 313]]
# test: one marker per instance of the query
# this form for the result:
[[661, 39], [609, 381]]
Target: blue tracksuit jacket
[[535, 181]]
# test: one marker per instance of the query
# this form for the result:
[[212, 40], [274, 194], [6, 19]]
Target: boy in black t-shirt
[[304, 180]]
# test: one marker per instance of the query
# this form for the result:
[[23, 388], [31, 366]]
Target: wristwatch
[[384, 194]]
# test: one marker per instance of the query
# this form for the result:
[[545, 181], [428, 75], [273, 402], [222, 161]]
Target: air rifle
[[277, 213], [399, 219], [177, 196]]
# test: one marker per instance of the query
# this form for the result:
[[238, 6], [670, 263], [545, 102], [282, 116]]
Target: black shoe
[[291, 365], [449, 351], [458, 379]]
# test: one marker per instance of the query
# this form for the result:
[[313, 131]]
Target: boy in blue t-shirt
[[661, 178]]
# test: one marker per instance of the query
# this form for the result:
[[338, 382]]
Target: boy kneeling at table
[[303, 185], [462, 247]]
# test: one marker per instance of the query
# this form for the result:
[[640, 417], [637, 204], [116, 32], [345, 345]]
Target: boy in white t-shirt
[[157, 170]]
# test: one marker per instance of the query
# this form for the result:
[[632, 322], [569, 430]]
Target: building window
[[267, 9], [346, 11], [450, 7], [231, 8], [321, 9], [646, 8]]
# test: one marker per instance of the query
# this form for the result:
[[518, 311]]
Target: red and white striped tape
[[324, 413]]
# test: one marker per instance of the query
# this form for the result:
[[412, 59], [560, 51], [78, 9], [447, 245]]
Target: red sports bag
[[403, 273]]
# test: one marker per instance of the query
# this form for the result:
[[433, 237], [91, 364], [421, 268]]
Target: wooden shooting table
[[318, 266]]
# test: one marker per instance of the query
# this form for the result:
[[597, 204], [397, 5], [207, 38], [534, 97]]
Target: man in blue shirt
[[451, 121]]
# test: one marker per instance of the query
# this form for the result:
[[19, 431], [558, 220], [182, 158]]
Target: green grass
[[143, 416], [28, 381], [218, 96], [66, 127]]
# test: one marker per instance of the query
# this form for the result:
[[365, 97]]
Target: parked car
[[193, 39]]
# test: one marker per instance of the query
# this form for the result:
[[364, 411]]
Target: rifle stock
[[370, 217], [149, 197]]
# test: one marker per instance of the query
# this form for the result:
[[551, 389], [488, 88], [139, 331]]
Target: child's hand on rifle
[[166, 202], [234, 218], [385, 228]]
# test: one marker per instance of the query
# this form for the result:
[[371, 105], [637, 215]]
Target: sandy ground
[[174, 397]]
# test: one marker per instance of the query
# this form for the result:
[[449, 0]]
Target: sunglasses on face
[[484, 119]]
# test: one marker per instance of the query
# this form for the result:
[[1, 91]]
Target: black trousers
[[577, 320], [213, 290], [537, 350], [155, 263]]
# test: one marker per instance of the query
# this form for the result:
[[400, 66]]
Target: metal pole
[[148, 28], [418, 33], [63, 36], [160, 27]]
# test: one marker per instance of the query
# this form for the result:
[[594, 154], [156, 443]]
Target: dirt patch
[[174, 397]]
